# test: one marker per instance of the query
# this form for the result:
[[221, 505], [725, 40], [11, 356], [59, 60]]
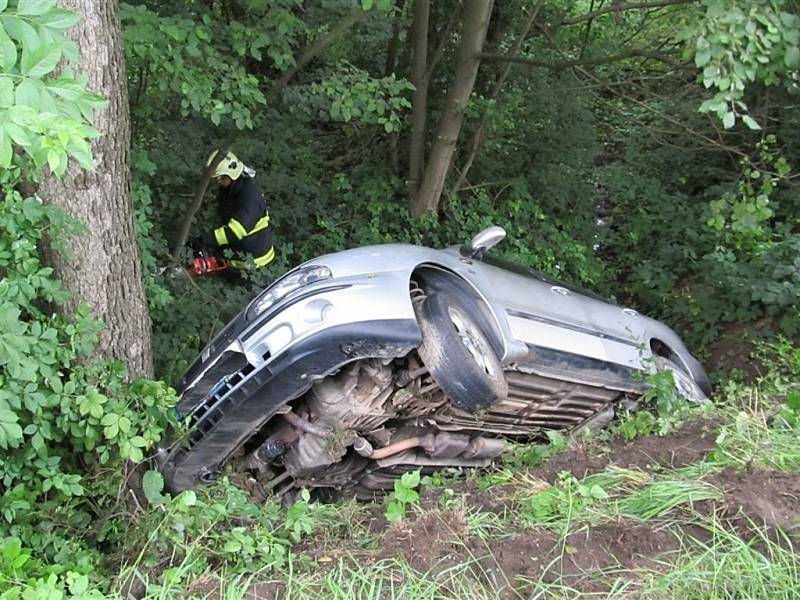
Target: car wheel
[[685, 386], [458, 354]]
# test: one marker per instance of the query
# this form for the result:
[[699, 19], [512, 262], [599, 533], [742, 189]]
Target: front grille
[[211, 409], [227, 363]]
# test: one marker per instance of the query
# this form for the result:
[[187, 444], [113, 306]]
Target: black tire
[[458, 354]]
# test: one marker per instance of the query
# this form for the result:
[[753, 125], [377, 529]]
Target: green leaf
[[110, 419], [111, 431], [79, 585], [187, 498], [729, 120], [153, 485], [792, 58], [59, 19], [751, 122], [3, 5], [8, 51], [23, 32], [702, 58], [6, 91], [395, 512], [41, 61], [6, 150], [18, 134], [411, 479], [35, 7], [27, 94], [57, 161]]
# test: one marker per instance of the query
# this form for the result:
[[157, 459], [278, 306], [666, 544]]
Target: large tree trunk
[[419, 102], [476, 21], [477, 136], [103, 267]]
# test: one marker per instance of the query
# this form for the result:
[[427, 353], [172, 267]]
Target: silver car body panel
[[526, 310], [372, 284]]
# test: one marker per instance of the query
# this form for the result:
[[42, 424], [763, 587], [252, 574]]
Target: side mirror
[[483, 242]]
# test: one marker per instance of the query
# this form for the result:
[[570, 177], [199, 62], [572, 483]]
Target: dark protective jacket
[[246, 228]]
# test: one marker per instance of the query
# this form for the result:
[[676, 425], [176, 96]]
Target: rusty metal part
[[408, 375], [426, 441], [304, 425], [356, 399], [421, 460], [534, 404], [481, 447]]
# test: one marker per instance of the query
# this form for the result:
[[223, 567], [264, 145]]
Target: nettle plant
[[66, 425]]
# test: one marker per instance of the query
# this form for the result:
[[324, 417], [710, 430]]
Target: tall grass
[[728, 567]]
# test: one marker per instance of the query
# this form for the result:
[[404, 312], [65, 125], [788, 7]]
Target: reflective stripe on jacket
[[246, 229]]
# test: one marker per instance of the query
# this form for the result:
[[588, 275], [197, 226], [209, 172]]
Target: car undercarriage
[[353, 433], [340, 384]]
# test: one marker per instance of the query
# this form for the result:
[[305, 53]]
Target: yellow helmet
[[230, 165]]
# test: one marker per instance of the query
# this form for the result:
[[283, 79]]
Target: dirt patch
[[512, 564], [509, 564], [767, 498], [430, 542], [212, 587], [733, 350], [687, 445]]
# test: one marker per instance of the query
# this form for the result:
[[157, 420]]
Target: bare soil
[[590, 559], [687, 445], [758, 498]]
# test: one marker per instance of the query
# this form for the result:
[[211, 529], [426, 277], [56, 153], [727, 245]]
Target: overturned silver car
[[363, 364]]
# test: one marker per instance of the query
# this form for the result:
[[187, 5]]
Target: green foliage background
[[668, 188]]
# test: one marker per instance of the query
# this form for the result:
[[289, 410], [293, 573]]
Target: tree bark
[[476, 21], [197, 200], [103, 266], [419, 101], [477, 136]]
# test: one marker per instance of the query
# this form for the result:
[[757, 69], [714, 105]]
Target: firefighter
[[244, 216]]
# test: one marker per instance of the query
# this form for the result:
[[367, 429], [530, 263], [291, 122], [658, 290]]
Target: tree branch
[[437, 52], [197, 200], [617, 8], [636, 101], [318, 47], [586, 62], [477, 136]]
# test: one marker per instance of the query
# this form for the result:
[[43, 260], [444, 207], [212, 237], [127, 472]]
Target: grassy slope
[[709, 510]]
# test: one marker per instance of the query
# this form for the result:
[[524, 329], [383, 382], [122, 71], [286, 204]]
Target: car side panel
[[548, 315]]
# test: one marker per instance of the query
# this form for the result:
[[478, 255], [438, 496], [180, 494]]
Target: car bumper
[[259, 368]]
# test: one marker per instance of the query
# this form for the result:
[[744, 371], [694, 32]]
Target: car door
[[547, 314]]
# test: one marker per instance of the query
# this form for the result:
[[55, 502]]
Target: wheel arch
[[689, 365], [431, 276]]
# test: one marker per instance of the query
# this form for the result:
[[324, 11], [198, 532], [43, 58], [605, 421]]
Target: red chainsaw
[[203, 263], [204, 260]]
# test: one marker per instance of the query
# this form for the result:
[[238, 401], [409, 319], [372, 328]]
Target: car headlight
[[286, 285]]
